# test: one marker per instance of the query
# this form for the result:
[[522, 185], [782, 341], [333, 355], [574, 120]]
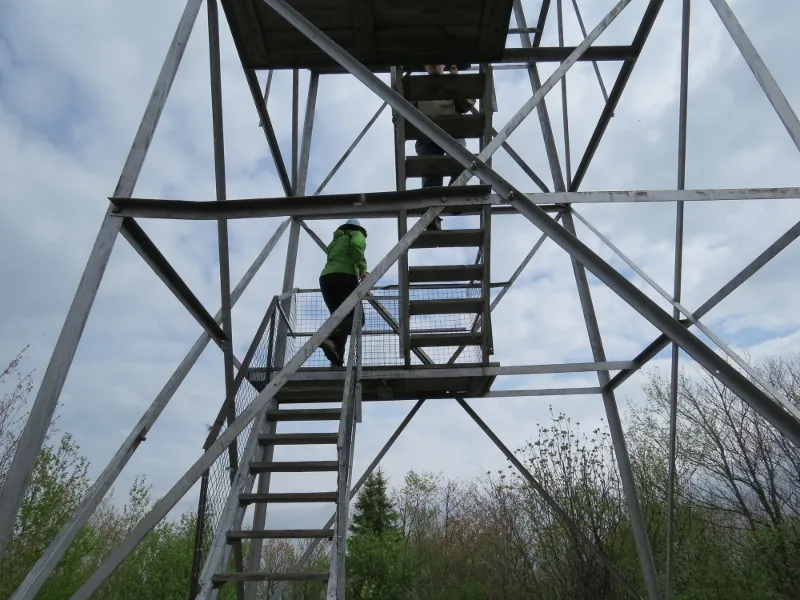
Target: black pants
[[336, 287], [426, 147]]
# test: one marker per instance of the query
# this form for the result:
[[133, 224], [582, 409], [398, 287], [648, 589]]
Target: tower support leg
[[30, 443]]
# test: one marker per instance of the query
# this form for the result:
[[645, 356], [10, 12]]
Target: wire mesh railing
[[344, 447], [216, 482], [381, 345]]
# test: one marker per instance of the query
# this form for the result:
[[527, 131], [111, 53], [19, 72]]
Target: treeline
[[737, 524]]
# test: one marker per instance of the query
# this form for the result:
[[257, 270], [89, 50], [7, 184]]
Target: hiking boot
[[342, 352], [329, 350]]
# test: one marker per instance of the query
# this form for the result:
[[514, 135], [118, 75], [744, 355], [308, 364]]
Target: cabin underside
[[378, 33]]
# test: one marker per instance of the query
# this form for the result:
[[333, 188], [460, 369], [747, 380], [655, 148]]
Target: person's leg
[[336, 288], [347, 285], [463, 142], [426, 147], [331, 295]]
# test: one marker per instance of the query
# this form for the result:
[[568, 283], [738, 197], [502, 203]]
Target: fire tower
[[429, 336]]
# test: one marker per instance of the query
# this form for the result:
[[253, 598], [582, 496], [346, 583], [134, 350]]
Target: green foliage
[[737, 515], [57, 484], [378, 567], [374, 511]]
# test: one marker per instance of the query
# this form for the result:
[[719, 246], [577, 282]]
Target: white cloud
[[73, 86]]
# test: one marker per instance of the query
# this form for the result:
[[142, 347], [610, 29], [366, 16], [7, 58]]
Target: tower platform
[[381, 383], [378, 33]]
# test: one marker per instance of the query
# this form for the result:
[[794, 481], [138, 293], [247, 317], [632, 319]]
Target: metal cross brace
[[233, 512], [549, 500], [726, 290], [776, 394], [765, 79], [163, 506], [541, 107], [638, 525], [693, 346], [47, 563]]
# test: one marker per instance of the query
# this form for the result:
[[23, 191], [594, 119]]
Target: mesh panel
[[219, 475], [381, 345]]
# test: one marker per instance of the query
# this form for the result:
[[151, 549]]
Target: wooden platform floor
[[378, 383], [378, 33]]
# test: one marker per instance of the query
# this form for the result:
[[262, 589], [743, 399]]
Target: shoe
[[329, 350], [435, 225]]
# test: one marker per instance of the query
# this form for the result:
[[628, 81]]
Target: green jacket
[[346, 251]]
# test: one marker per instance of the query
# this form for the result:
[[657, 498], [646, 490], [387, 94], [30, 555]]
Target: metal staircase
[[256, 467], [472, 295], [476, 124]]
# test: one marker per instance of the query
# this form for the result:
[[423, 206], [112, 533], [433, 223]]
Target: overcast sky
[[75, 79]]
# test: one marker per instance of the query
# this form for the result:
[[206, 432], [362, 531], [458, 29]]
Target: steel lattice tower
[[362, 38]]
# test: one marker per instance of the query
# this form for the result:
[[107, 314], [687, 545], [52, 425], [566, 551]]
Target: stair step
[[421, 166], [270, 534], [449, 87], [449, 238], [222, 578], [446, 306], [437, 274], [296, 439], [256, 498], [298, 466], [425, 340], [458, 126], [305, 414]]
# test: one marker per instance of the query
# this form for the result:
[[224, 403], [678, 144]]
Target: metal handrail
[[345, 445]]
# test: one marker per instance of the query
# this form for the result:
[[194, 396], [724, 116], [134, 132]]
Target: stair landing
[[380, 383]]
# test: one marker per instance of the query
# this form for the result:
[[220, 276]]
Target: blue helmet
[[355, 222]]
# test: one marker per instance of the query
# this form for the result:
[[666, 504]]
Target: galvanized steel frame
[[505, 199]]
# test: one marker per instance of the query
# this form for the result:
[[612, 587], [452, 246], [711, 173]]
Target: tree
[[374, 510], [376, 565], [12, 409]]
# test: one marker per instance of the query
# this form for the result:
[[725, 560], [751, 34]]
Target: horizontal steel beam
[[387, 204], [140, 241], [580, 391], [640, 196], [447, 371], [528, 393], [559, 54], [514, 55], [378, 204]]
